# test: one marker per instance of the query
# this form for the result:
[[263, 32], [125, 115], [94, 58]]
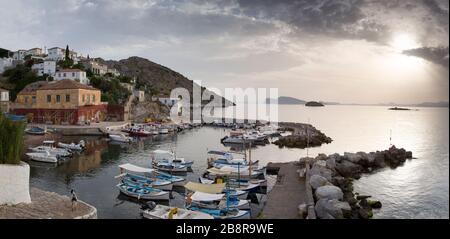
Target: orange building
[[60, 102]]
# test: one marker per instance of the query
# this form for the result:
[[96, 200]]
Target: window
[[67, 98], [83, 98], [64, 74], [88, 98], [73, 74], [49, 98], [93, 98], [58, 98], [33, 99], [26, 99]]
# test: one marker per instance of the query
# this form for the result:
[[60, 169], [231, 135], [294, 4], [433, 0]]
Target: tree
[[67, 57]]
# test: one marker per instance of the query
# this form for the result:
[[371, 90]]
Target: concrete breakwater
[[331, 179], [303, 135]]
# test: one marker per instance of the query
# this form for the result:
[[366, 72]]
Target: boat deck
[[48, 205], [288, 192]]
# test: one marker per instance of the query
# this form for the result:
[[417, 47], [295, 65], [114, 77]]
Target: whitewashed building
[[72, 74], [46, 67], [5, 63], [56, 54], [19, 55], [140, 95], [95, 67], [34, 52], [113, 72]]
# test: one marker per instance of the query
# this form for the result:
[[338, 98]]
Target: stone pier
[[48, 205]]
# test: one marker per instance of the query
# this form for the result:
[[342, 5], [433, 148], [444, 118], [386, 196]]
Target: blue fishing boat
[[148, 182], [139, 192]]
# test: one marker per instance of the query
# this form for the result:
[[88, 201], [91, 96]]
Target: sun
[[402, 41]]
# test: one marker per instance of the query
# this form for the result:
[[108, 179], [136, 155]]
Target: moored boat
[[36, 131], [146, 193], [166, 212], [45, 157], [120, 138]]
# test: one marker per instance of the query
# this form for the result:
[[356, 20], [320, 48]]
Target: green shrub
[[11, 140]]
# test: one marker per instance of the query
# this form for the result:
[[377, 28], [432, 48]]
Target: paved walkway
[[48, 205], [288, 192]]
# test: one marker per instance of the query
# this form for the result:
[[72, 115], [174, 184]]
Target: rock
[[374, 204], [409, 155], [321, 157], [329, 192], [349, 169], [332, 208], [303, 210], [331, 163], [323, 171], [318, 181], [395, 156], [363, 203]]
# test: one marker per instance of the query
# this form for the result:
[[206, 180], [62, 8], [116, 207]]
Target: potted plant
[[14, 174]]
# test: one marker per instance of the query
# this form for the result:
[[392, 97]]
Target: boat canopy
[[134, 168], [205, 188], [206, 197]]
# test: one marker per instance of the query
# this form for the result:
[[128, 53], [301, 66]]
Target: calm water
[[418, 189]]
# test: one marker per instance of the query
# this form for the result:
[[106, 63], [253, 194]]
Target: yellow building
[[61, 102]]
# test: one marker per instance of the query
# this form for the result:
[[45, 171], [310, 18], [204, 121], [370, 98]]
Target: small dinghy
[[36, 131], [176, 180], [146, 193], [120, 138], [45, 157], [166, 212], [72, 146]]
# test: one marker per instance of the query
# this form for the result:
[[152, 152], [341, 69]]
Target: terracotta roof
[[70, 70], [66, 84], [31, 88]]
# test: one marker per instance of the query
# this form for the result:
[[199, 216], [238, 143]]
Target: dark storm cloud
[[438, 55]]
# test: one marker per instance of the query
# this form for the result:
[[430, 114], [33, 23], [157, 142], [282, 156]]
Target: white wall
[[4, 96], [14, 184], [78, 75]]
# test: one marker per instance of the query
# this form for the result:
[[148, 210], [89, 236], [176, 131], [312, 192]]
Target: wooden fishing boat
[[146, 193], [166, 212]]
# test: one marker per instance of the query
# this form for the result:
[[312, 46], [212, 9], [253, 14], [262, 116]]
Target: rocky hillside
[[154, 78]]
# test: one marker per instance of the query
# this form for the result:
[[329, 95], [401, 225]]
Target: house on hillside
[[34, 52], [95, 66], [4, 100], [72, 74], [60, 102], [19, 55], [47, 67], [59, 54], [140, 95]]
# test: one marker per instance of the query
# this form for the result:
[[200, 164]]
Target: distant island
[[314, 104], [398, 108], [285, 100]]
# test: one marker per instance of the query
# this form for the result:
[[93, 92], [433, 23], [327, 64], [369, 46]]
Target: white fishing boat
[[233, 191], [217, 201], [231, 213], [142, 180], [45, 157], [215, 188], [170, 167], [163, 131], [146, 193], [166, 212], [176, 180], [169, 158], [48, 146], [72, 146], [120, 138]]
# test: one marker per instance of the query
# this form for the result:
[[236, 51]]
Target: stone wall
[[14, 184]]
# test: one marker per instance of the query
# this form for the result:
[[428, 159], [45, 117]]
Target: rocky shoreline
[[331, 181], [303, 135]]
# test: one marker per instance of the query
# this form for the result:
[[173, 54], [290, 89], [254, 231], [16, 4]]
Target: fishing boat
[[169, 167], [216, 188], [72, 146], [120, 138], [146, 193], [163, 130], [233, 172], [217, 201], [235, 190], [169, 158], [45, 157], [138, 180], [231, 213], [36, 131], [166, 212], [48, 146], [139, 132], [176, 180], [225, 157]]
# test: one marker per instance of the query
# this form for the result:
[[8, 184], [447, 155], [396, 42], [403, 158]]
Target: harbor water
[[418, 189]]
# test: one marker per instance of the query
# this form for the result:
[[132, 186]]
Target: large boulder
[[332, 209], [376, 159], [318, 181], [349, 169], [357, 158], [318, 169], [331, 161], [329, 192]]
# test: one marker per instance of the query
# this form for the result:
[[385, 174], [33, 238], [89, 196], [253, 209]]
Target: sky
[[349, 51]]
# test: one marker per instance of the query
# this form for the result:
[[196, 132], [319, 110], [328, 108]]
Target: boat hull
[[162, 195]]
